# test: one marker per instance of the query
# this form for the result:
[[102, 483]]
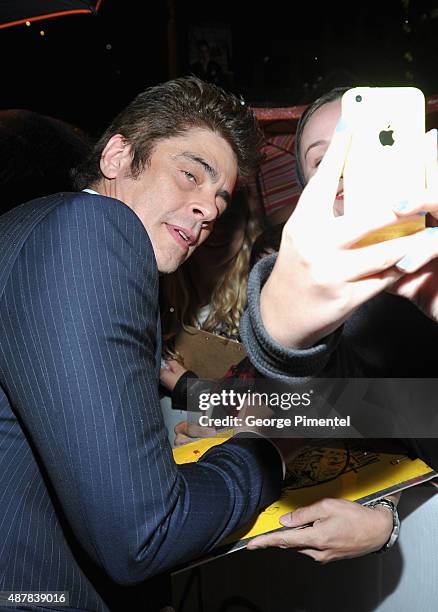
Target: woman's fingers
[[340, 530], [431, 162], [349, 229], [368, 287], [306, 515], [358, 263], [193, 431], [181, 436], [428, 201], [422, 252], [289, 538]]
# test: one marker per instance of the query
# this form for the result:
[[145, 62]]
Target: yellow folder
[[355, 470]]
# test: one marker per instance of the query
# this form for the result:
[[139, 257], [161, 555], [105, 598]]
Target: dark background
[[86, 67]]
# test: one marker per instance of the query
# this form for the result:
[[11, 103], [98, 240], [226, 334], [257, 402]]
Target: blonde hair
[[180, 306]]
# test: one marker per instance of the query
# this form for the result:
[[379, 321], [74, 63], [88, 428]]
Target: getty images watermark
[[247, 403], [348, 408]]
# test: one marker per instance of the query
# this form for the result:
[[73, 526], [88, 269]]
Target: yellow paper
[[326, 468]]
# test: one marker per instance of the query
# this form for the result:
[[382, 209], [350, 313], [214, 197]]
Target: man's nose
[[204, 209]]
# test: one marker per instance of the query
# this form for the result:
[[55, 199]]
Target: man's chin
[[169, 265]]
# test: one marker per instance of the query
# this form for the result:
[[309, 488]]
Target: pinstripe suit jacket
[[90, 497]]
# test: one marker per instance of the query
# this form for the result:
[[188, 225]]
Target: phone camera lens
[[358, 98]]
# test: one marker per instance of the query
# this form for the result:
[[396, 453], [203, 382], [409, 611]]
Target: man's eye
[[191, 177]]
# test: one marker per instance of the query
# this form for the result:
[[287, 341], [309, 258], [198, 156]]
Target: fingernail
[[341, 125], [286, 520], [405, 264], [409, 264]]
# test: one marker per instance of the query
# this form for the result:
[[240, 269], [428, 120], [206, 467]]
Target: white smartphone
[[386, 162]]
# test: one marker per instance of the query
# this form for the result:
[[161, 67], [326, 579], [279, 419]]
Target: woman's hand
[[318, 280], [332, 529], [420, 284], [170, 375], [186, 432]]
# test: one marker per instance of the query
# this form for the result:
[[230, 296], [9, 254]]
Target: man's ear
[[116, 157]]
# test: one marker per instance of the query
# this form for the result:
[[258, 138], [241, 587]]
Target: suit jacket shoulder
[[18, 224]]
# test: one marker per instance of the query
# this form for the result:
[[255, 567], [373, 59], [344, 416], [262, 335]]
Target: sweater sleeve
[[268, 356], [338, 355]]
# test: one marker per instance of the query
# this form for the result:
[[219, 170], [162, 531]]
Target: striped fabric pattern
[[91, 501], [276, 177]]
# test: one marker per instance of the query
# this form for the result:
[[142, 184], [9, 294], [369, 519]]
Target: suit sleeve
[[83, 300]]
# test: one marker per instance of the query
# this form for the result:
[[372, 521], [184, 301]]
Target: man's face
[[185, 186]]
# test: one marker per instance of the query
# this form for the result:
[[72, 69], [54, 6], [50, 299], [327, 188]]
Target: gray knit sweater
[[387, 337]]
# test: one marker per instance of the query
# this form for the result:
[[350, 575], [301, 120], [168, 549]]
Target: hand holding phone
[[385, 164]]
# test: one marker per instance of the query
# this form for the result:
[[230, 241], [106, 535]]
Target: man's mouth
[[340, 195], [184, 237]]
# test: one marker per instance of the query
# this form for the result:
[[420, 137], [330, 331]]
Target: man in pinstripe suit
[[91, 501]]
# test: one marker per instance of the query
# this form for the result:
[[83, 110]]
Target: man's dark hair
[[333, 94], [170, 109]]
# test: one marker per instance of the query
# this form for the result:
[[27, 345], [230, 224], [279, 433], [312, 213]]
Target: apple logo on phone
[[386, 137]]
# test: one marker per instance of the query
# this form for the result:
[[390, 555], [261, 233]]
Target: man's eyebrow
[[212, 173], [317, 143]]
